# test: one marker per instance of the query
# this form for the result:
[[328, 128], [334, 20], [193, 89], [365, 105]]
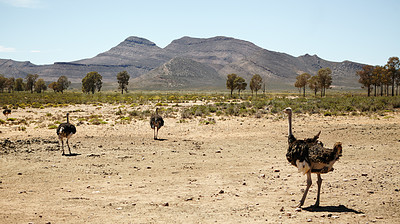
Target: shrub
[[53, 126]]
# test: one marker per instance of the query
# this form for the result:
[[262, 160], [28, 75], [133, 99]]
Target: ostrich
[[65, 130], [310, 156], [156, 121], [6, 112]]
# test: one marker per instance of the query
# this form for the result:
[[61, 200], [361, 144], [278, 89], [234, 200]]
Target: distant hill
[[188, 63], [179, 73]]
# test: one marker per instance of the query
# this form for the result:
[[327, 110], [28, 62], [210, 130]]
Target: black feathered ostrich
[[310, 156], [6, 112], [65, 130], [156, 122]]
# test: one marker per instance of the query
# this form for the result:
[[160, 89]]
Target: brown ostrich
[[6, 112], [156, 122], [66, 130], [310, 156]]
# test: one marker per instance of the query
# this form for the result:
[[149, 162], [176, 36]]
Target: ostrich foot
[[298, 205]]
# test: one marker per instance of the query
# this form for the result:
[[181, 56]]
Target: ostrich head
[[288, 110]]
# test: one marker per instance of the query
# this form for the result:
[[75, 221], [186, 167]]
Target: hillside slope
[[225, 55]]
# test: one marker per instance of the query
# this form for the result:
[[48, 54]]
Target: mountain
[[193, 60], [179, 73]]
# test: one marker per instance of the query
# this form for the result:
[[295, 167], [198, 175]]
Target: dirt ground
[[233, 171]]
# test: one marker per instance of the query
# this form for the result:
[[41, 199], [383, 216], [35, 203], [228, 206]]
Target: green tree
[[40, 86], [313, 84], [377, 74], [301, 82], [54, 86], [19, 84], [230, 82], [386, 80], [240, 84], [30, 81], [3, 81], [92, 82], [393, 67], [366, 77], [123, 80], [324, 79], [255, 83], [10, 84], [62, 84]]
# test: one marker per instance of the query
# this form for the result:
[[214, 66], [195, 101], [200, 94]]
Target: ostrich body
[[156, 122], [6, 112], [65, 130], [310, 156]]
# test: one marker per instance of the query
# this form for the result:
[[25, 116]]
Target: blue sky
[[48, 31]]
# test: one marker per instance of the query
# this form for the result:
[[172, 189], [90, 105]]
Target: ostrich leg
[[309, 182], [157, 133], [319, 182], [69, 149], [62, 146]]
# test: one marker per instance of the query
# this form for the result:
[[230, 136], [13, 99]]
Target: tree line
[[319, 82], [381, 79], [91, 83], [234, 81]]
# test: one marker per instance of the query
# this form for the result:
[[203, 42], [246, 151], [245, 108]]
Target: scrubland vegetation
[[204, 104]]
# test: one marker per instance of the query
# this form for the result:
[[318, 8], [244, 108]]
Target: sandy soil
[[234, 171]]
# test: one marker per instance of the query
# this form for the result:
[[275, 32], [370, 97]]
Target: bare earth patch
[[233, 171]]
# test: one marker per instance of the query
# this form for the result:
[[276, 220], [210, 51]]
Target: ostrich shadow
[[72, 154], [339, 209], [161, 139]]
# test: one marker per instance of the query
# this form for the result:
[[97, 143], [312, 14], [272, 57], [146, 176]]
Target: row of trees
[[32, 84], [90, 83], [319, 82], [93, 81], [234, 81], [383, 77]]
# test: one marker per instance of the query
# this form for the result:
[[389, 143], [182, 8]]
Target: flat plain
[[230, 171]]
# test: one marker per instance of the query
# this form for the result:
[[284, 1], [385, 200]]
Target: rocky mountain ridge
[[187, 62]]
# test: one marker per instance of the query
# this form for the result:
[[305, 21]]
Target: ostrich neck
[[290, 124], [67, 119]]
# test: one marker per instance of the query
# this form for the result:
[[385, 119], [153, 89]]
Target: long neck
[[68, 118], [290, 124]]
